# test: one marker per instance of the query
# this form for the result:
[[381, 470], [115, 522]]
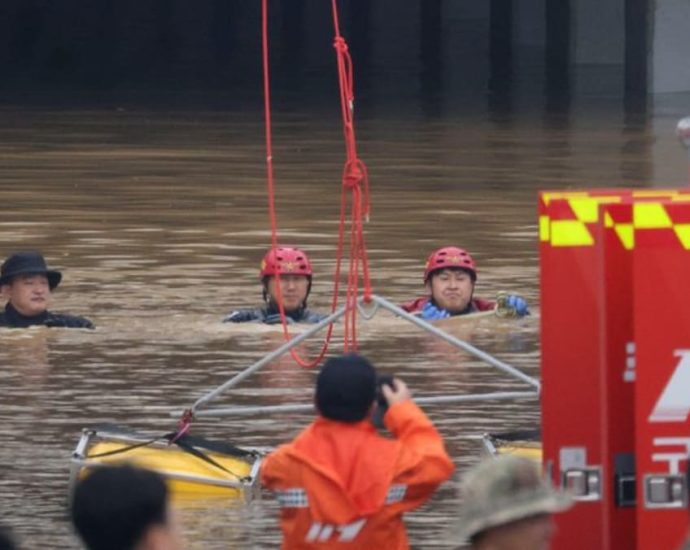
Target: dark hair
[[114, 506], [471, 273], [477, 538], [346, 388], [6, 542]]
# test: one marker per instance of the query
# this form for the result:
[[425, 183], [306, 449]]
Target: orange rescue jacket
[[342, 485]]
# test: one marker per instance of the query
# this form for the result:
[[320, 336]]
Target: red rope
[[356, 181], [271, 199], [354, 178]]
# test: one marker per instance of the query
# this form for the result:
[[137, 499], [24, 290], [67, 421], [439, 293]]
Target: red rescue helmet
[[290, 260], [449, 257]]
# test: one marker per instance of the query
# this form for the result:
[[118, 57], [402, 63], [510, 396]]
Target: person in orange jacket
[[342, 485]]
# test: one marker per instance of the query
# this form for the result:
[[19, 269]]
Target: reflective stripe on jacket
[[342, 485]]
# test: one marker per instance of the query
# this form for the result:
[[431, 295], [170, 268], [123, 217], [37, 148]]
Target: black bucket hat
[[346, 388], [28, 263]]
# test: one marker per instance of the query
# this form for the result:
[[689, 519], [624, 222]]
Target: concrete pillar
[[466, 30], [670, 69], [598, 32], [360, 26], [317, 44], [394, 49], [431, 56], [636, 47], [598, 41], [529, 24], [529, 39], [500, 46], [558, 51]]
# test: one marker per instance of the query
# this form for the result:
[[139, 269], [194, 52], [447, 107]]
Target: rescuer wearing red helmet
[[295, 284], [450, 275]]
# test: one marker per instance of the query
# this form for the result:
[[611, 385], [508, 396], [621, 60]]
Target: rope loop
[[183, 425], [355, 181], [340, 45], [353, 174]]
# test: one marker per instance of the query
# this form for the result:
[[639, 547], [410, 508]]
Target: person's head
[[508, 505], [346, 388], [124, 508], [449, 276], [295, 277], [6, 540], [26, 282]]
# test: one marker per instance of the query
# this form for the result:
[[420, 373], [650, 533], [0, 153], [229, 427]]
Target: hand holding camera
[[389, 390], [394, 391]]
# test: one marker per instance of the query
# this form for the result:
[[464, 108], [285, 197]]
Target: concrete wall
[[529, 25], [598, 31], [466, 27], [670, 46], [670, 158]]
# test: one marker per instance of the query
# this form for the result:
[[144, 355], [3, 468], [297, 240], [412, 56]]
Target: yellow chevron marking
[[683, 232], [570, 233], [626, 233], [650, 215], [586, 209], [544, 223], [608, 220]]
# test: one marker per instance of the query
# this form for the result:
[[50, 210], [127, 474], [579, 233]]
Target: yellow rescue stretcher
[[192, 466], [524, 443]]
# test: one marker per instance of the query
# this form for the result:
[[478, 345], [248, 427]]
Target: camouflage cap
[[502, 490]]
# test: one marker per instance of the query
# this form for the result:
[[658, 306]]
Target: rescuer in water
[[27, 284], [450, 276], [295, 285]]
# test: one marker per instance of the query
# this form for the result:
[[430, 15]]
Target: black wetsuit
[[11, 318], [271, 316]]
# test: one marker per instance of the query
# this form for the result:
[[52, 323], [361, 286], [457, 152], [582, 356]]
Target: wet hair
[[471, 273], [346, 388], [6, 541], [115, 505]]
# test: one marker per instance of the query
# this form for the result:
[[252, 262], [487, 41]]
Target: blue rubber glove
[[275, 319], [431, 313], [518, 304]]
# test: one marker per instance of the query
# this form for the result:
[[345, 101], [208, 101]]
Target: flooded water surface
[[158, 220]]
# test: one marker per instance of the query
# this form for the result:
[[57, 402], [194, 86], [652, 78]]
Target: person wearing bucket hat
[[508, 505], [450, 275], [295, 284], [26, 284], [342, 485]]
